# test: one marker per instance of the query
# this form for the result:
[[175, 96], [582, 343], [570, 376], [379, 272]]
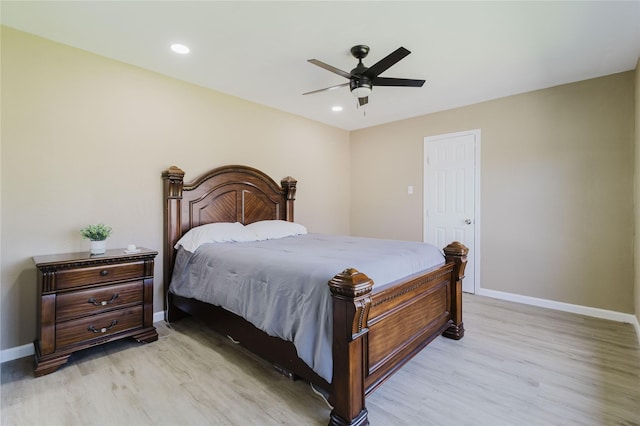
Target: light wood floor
[[516, 365]]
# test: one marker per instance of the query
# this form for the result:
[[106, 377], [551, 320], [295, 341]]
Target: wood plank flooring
[[516, 365]]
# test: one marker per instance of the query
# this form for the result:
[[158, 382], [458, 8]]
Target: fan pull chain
[[364, 107]]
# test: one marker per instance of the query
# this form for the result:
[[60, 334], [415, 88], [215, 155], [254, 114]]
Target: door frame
[[476, 234]]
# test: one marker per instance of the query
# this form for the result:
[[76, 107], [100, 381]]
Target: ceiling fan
[[362, 79]]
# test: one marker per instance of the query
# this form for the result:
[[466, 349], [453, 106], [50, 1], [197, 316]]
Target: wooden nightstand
[[86, 300]]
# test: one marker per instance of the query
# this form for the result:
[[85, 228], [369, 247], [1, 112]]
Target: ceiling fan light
[[361, 92]]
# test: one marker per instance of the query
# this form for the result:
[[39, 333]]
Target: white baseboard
[[17, 352], [566, 307], [27, 350]]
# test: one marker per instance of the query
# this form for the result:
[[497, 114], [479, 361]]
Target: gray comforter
[[280, 285]]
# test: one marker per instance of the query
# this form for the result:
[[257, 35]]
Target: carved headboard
[[225, 194]]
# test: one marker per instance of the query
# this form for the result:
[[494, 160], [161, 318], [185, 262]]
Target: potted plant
[[97, 234]]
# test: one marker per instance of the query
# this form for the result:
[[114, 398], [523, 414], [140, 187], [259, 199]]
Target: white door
[[451, 178]]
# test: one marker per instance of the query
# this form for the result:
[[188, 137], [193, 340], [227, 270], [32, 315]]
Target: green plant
[[97, 232]]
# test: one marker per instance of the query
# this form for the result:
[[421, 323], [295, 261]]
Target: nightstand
[[86, 300]]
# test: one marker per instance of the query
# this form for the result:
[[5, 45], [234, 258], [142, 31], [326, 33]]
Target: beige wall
[[557, 173], [85, 139]]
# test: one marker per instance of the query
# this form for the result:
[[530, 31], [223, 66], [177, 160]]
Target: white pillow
[[271, 229], [221, 232]]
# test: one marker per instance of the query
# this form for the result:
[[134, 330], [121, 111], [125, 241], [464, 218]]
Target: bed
[[374, 330]]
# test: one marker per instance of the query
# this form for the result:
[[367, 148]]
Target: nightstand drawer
[[94, 301], [98, 274], [96, 326]]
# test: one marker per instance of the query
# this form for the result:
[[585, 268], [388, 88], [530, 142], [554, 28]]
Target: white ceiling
[[467, 52]]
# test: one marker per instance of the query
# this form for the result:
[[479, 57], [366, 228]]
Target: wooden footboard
[[374, 332]]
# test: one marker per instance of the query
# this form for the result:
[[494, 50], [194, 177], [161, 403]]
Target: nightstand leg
[[47, 364], [147, 336]]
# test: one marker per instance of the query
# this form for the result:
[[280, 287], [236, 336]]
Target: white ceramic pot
[[98, 247]]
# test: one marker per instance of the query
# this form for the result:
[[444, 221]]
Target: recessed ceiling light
[[336, 108], [180, 48]]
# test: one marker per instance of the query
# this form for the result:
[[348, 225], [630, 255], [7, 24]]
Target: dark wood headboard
[[225, 194]]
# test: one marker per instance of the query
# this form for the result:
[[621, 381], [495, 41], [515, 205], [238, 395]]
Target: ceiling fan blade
[[329, 68], [385, 63], [363, 101], [326, 89], [406, 82]]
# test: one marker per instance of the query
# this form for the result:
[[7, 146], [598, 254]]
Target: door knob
[[467, 221]]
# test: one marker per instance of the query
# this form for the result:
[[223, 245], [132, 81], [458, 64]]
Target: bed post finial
[[173, 177], [351, 294], [457, 253], [289, 188]]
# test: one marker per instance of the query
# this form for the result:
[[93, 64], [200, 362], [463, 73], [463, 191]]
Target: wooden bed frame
[[374, 332]]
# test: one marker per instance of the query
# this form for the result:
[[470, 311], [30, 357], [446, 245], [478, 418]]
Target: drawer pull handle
[[103, 329], [104, 302], [104, 272]]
